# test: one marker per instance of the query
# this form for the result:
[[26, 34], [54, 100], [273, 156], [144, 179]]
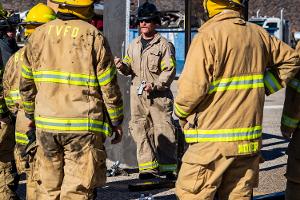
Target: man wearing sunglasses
[[150, 60]]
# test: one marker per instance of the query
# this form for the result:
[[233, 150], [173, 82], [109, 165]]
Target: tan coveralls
[[290, 122], [220, 99], [7, 142], [11, 82], [69, 83], [151, 114]]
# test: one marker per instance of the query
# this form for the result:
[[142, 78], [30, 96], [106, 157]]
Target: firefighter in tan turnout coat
[[220, 101], [38, 15], [69, 88], [290, 128], [150, 60]]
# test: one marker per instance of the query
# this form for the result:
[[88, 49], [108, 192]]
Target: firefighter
[[290, 128], [8, 173], [38, 15], [150, 60], [69, 90], [220, 100]]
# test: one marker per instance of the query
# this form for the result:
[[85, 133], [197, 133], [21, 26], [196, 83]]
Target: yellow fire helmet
[[38, 15], [74, 3], [214, 7]]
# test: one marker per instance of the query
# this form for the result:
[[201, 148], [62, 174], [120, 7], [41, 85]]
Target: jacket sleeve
[[11, 94], [168, 68], [27, 86], [127, 60], [283, 64], [290, 119], [194, 82], [107, 78]]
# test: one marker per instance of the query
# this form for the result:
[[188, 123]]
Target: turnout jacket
[[230, 66], [155, 64], [69, 80]]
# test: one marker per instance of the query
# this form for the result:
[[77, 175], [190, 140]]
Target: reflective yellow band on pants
[[28, 106], [179, 112], [167, 167], [295, 84], [115, 113], [73, 124], [148, 165], [237, 83], [21, 138], [289, 122], [106, 77], [271, 82], [65, 78], [26, 72], [223, 135]]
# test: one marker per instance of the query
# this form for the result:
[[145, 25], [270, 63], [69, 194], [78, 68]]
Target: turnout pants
[[8, 172], [208, 176], [69, 165], [293, 168], [152, 129]]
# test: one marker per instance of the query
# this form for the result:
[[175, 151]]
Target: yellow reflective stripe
[[252, 147], [107, 76], [26, 72], [71, 124], [295, 84], [289, 121], [127, 60], [163, 65], [167, 167], [237, 83], [65, 78], [179, 112], [28, 106], [148, 165], [21, 138], [223, 135], [115, 113], [271, 82]]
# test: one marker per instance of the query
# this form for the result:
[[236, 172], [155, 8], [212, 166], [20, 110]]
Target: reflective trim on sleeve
[[14, 96], [127, 60], [271, 82], [26, 72], [28, 106], [289, 122], [252, 147], [295, 84], [179, 112], [65, 78], [148, 165], [21, 138], [163, 65], [167, 167], [237, 83], [107, 76], [71, 124], [222, 135], [115, 113]]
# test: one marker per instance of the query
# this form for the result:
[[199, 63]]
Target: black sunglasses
[[145, 20]]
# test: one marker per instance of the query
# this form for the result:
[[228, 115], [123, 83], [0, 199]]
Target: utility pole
[[187, 25]]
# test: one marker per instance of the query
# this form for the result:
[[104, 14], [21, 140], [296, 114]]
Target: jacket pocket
[[154, 61]]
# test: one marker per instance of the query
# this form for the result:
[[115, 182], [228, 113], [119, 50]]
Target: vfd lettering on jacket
[[62, 30]]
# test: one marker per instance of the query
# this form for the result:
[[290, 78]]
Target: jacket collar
[[226, 14], [156, 39]]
